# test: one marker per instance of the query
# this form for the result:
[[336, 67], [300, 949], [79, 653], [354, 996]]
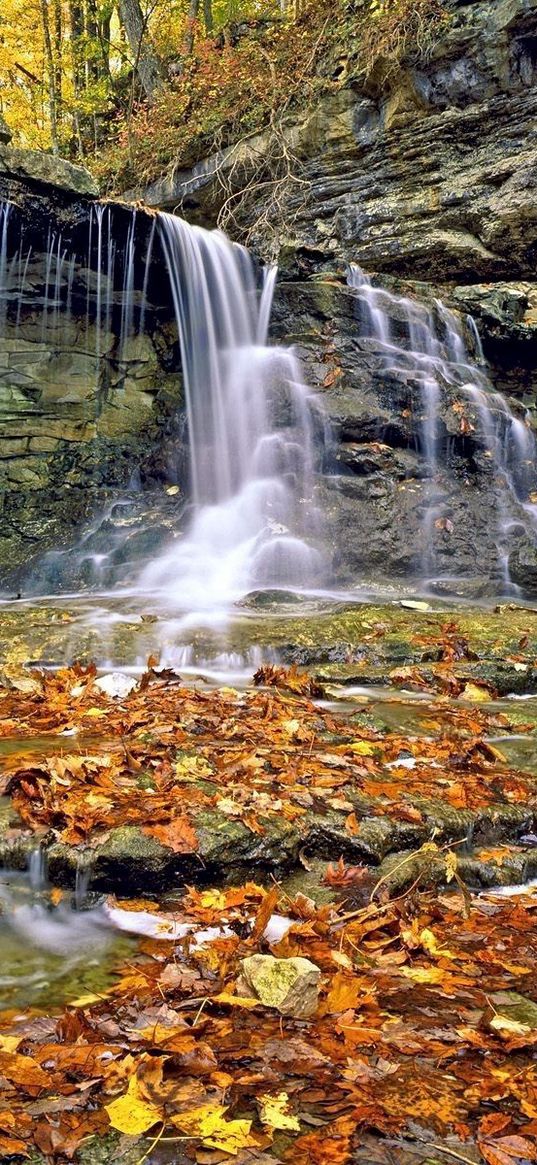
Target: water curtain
[[251, 426], [431, 347]]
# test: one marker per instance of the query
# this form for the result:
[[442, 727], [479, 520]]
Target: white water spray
[[251, 434]]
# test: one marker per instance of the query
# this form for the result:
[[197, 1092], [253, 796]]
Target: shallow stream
[[52, 951]]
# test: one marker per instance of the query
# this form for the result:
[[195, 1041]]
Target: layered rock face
[[88, 406], [425, 175], [390, 514], [425, 170]]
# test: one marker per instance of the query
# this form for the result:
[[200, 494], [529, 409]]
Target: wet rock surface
[[424, 678], [424, 175], [379, 487], [88, 407]]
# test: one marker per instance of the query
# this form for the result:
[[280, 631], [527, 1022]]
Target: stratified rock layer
[[427, 170], [426, 175]]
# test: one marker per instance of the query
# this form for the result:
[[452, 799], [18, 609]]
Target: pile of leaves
[[167, 755], [421, 1037], [424, 1034]]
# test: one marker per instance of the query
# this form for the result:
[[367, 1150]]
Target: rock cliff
[[428, 170], [426, 175], [86, 408]]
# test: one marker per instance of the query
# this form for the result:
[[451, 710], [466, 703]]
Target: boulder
[[291, 986], [36, 166], [523, 566]]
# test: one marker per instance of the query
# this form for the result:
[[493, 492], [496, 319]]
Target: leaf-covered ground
[[423, 1035], [421, 1044], [205, 778]]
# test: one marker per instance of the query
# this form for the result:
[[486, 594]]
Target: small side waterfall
[[251, 434], [430, 348]]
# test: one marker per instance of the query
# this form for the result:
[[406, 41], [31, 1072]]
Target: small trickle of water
[[5, 212], [37, 869], [434, 352], [82, 882]]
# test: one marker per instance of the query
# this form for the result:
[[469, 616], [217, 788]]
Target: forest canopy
[[133, 86]]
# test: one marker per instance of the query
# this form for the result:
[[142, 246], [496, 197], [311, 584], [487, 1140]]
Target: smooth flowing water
[[251, 426], [255, 433], [433, 349]]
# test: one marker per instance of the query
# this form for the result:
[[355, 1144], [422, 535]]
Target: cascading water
[[251, 434], [433, 351], [91, 296]]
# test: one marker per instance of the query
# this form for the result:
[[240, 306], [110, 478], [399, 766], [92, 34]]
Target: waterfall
[[251, 432], [5, 211], [433, 352]]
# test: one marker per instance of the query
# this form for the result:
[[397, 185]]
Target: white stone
[[116, 685]]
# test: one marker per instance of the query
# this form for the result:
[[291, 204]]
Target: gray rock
[[523, 567], [291, 986], [46, 170], [431, 173]]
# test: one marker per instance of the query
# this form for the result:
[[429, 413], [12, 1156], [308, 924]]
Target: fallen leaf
[[273, 1112]]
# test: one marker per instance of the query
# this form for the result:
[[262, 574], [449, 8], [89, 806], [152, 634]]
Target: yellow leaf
[[213, 900], [290, 727], [10, 1043], [86, 1000], [362, 747], [451, 865], [132, 1114], [98, 800], [428, 941], [476, 694], [342, 960], [209, 1124], [192, 768], [273, 1112], [423, 974], [509, 1027], [236, 1000]]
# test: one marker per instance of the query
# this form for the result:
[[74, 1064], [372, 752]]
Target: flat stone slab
[[38, 166]]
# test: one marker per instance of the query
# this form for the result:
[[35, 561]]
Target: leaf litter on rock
[[404, 1034]]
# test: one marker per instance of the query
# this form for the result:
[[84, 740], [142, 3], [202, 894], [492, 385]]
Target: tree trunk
[[92, 34], [49, 65], [58, 57], [145, 62], [76, 22], [193, 12], [208, 16], [104, 30]]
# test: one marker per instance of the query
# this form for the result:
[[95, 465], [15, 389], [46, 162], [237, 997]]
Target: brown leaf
[[265, 911], [178, 835], [24, 1071]]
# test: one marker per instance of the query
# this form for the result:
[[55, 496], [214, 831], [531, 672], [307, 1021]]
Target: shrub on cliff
[[258, 73]]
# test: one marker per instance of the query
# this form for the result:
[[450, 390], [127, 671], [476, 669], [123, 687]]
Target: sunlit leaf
[[273, 1112], [131, 1113]]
